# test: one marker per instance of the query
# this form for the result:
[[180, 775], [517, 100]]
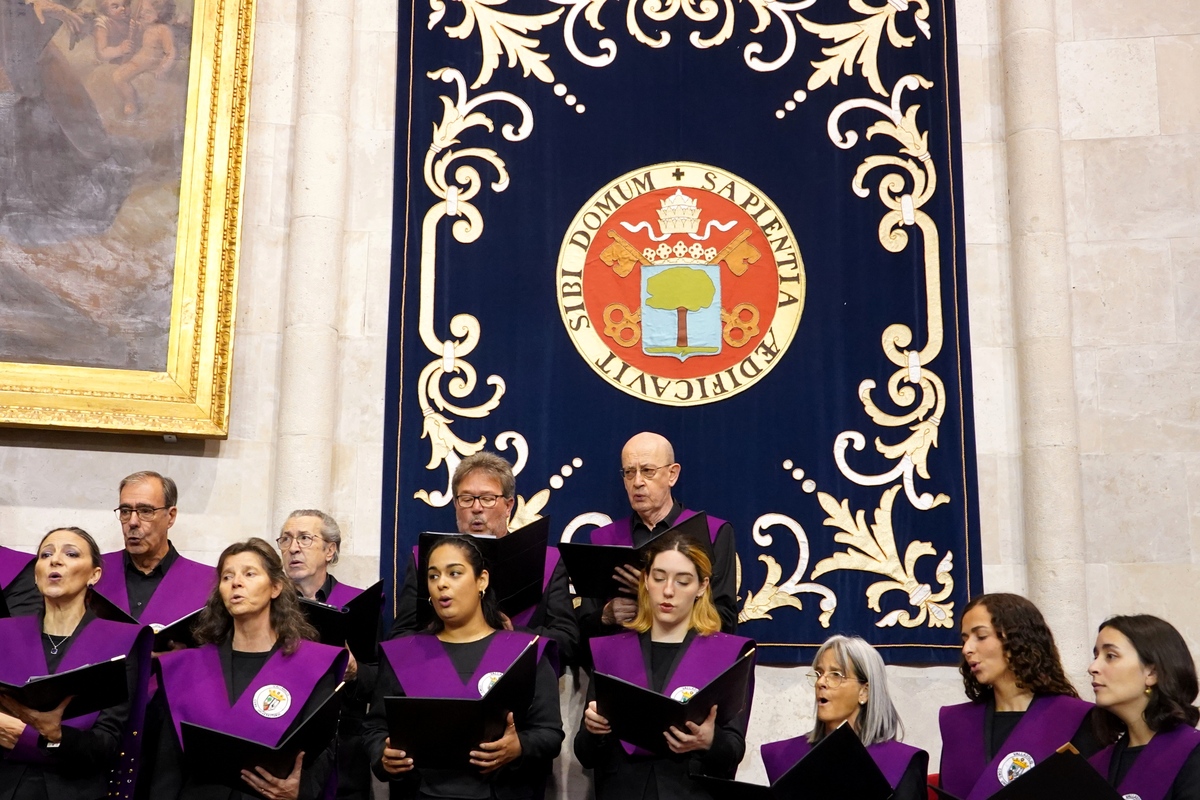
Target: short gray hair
[[330, 530], [169, 490], [490, 464], [878, 720]]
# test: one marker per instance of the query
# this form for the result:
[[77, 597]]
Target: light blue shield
[[681, 310]]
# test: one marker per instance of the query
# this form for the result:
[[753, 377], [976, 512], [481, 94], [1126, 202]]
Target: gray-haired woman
[[851, 687]]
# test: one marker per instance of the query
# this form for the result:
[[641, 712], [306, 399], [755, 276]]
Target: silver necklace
[[55, 645]]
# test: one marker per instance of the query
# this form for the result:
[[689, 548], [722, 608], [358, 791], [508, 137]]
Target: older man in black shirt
[[649, 471], [149, 580]]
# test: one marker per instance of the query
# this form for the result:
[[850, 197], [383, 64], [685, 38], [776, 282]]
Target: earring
[[481, 593], [1149, 690], [429, 600]]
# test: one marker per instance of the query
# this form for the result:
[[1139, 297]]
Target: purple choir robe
[[23, 657], [620, 532], [1154, 771], [185, 588], [892, 758], [424, 669], [341, 594], [194, 685], [193, 682], [11, 564], [966, 772], [620, 655]]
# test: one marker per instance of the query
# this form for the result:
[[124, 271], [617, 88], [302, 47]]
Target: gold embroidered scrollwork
[[452, 176]]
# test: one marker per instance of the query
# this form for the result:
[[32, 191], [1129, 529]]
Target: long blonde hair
[[704, 620]]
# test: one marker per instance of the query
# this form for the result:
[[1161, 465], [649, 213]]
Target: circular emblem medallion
[[487, 682], [1131, 797], [272, 701], [684, 693], [680, 283], [1013, 766]]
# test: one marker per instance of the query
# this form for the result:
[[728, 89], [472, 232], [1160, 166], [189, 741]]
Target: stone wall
[[1084, 277]]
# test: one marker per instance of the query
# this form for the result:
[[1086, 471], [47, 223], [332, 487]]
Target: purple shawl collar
[[341, 594], [100, 640], [11, 563], [521, 619], [194, 684], [892, 758], [704, 658], [424, 669], [1049, 723], [1154, 771], [185, 588], [621, 531]]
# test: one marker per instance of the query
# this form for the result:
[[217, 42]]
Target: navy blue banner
[[738, 225]]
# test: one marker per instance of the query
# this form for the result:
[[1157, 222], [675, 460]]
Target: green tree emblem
[[683, 289]]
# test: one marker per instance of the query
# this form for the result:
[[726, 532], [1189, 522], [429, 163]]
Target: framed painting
[[122, 134]]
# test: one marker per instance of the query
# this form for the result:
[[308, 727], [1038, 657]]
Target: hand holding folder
[[640, 716], [441, 732], [593, 567], [1064, 774], [216, 757]]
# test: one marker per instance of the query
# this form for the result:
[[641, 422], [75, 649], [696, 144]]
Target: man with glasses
[[310, 543], [148, 579], [649, 472], [484, 490]]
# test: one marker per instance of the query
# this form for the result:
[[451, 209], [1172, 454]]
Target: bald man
[[649, 471]]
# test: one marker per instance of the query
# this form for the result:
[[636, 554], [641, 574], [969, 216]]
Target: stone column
[[1051, 482], [308, 376]]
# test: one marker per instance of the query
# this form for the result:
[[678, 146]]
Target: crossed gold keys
[[623, 257], [621, 324]]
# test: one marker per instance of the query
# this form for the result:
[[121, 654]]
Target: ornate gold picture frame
[[186, 391]]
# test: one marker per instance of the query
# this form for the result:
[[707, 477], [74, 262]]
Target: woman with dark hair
[[43, 754], [851, 688], [256, 675], [1022, 707], [1145, 679], [461, 654], [674, 646]]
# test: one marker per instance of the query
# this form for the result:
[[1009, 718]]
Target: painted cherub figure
[[155, 52], [112, 30]]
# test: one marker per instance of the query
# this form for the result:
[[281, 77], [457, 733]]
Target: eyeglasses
[[647, 473], [124, 513], [305, 540], [833, 678], [468, 500]]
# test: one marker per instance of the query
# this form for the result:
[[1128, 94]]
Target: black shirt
[[663, 656], [326, 588], [1186, 785], [999, 725], [140, 586], [465, 656]]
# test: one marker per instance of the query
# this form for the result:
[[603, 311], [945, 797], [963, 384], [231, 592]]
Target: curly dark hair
[[287, 620], [1028, 645], [1160, 646], [491, 606]]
